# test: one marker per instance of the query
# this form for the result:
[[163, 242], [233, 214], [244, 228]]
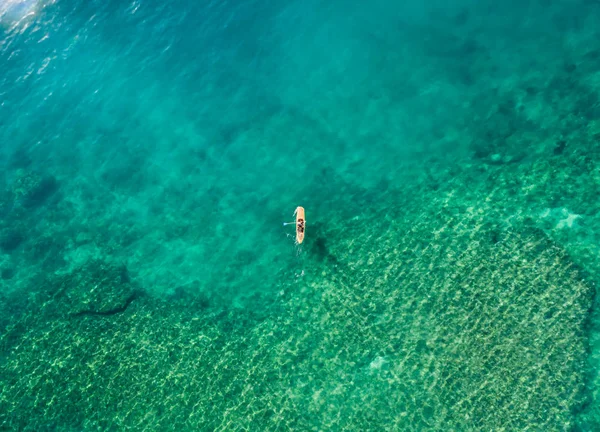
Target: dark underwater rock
[[7, 273], [96, 287], [32, 189], [10, 239]]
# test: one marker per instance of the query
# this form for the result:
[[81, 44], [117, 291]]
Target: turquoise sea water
[[448, 158]]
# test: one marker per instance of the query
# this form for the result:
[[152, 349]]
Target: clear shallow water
[[151, 151]]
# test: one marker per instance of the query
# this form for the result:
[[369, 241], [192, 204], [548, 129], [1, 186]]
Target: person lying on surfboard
[[300, 224]]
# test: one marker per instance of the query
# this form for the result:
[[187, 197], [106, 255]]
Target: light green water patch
[[427, 295], [417, 316]]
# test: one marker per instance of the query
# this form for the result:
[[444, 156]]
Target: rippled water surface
[[447, 156]]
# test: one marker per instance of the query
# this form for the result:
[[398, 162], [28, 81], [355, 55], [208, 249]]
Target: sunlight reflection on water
[[15, 12]]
